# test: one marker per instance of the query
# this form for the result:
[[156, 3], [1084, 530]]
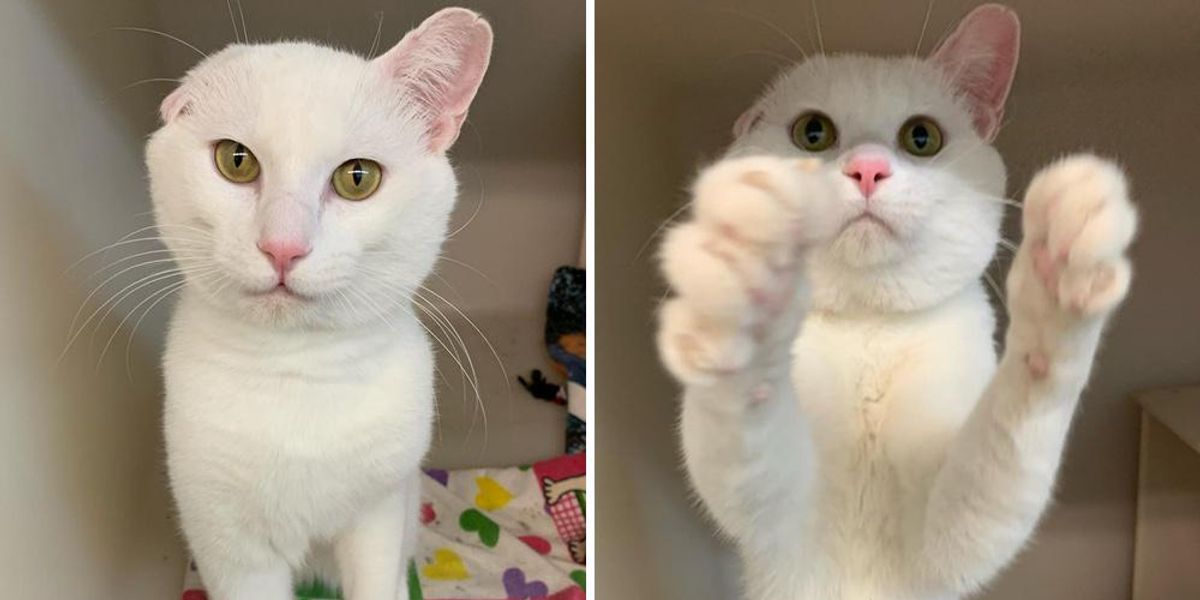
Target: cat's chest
[[851, 376], [309, 419], [888, 393], [295, 420], [263, 443]]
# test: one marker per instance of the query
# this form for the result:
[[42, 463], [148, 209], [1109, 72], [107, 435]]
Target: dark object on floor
[[566, 342], [539, 387]]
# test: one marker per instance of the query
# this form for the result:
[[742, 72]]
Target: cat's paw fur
[[1078, 223], [735, 265]]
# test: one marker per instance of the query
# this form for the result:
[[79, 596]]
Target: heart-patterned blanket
[[492, 534]]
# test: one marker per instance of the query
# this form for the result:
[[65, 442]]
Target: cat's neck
[[227, 335], [971, 297]]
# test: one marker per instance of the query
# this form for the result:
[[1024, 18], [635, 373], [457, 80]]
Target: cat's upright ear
[[980, 58], [441, 64]]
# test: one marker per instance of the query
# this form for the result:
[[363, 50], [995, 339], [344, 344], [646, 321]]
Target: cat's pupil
[[239, 155], [920, 136], [814, 131], [357, 173]]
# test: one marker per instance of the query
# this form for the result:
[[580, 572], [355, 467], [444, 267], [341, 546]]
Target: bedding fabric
[[492, 534]]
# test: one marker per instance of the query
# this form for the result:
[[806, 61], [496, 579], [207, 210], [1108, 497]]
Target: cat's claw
[[1078, 223], [734, 266]]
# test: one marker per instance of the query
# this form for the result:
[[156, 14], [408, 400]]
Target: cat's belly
[[856, 549], [884, 407]]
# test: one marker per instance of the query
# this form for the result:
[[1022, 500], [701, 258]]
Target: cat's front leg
[[372, 555], [235, 567], [1068, 276], [736, 269]]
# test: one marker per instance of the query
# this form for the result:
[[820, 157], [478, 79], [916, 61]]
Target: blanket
[[514, 533]]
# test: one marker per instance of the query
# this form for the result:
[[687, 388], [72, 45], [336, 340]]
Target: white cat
[[845, 420], [306, 192]]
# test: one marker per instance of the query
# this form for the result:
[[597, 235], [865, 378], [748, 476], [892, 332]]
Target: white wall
[[1120, 78]]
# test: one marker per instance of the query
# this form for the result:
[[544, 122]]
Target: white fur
[[296, 423], [845, 420]]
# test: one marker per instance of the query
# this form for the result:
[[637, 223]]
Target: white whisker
[[478, 331], [470, 268], [996, 288], [924, 27], [773, 27], [237, 38], [375, 42], [116, 330], [129, 290], [817, 22], [152, 80], [242, 16], [658, 230], [101, 285], [163, 34]]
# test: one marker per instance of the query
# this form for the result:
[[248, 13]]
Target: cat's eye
[[357, 178], [236, 162], [814, 132], [920, 136]]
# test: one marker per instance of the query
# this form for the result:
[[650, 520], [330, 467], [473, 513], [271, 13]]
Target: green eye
[[236, 162], [814, 132], [357, 178], [920, 136]]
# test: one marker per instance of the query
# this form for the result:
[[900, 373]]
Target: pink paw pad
[[760, 393], [1046, 268], [1038, 365]]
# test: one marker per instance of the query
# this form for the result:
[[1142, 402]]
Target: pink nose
[[868, 171], [283, 254]]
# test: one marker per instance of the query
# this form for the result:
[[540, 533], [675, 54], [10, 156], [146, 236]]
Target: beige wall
[[649, 541], [83, 496], [520, 154], [529, 223], [83, 509], [1121, 79]]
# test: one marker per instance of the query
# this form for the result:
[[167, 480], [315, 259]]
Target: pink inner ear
[[442, 63], [173, 105], [746, 122], [980, 57]]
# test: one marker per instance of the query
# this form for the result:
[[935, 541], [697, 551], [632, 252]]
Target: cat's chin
[[867, 240], [276, 307]]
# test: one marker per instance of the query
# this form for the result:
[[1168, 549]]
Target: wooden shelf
[[1167, 543]]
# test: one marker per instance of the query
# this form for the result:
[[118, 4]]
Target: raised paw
[[1078, 223], [735, 265]]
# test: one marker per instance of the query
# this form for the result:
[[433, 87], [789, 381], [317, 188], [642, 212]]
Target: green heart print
[[473, 520]]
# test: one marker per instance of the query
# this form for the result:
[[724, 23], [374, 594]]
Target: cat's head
[[297, 185], [908, 143]]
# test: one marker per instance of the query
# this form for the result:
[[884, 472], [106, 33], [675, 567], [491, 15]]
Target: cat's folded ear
[[980, 58], [175, 104], [441, 64], [747, 121]]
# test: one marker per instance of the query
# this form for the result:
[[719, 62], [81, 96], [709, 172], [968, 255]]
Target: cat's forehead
[[292, 95], [867, 90], [279, 70]]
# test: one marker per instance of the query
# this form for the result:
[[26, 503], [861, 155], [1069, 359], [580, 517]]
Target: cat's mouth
[[868, 218], [281, 291]]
